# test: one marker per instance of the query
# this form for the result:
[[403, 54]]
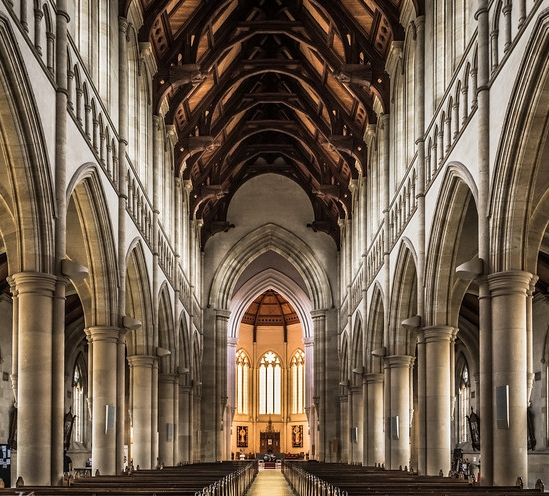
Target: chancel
[[315, 230]]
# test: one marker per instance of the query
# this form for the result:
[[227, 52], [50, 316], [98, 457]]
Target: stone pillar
[[328, 448], [103, 375], [438, 342], [397, 427], [356, 423], [530, 338], [375, 446], [35, 292], [310, 411], [141, 378], [122, 409], [167, 385], [185, 424], [61, 116], [481, 97], [510, 293], [121, 177]]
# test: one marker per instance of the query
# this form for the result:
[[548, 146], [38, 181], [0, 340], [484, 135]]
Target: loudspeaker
[[109, 418], [395, 427], [502, 406]]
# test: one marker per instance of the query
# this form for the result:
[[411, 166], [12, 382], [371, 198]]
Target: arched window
[[270, 374], [242, 381], [298, 381], [464, 403], [78, 403]]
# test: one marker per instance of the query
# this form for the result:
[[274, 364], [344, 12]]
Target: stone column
[[356, 422], [509, 292], [185, 424], [439, 341], [375, 446], [103, 375], [35, 292], [481, 96], [397, 427], [328, 437], [167, 385], [61, 116], [308, 344], [141, 378], [121, 177]]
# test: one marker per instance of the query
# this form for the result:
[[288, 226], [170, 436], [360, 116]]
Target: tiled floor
[[271, 483]]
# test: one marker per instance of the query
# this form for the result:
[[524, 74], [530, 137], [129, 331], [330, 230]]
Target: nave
[[271, 482]]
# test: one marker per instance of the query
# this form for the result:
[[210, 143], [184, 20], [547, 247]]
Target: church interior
[[309, 230]]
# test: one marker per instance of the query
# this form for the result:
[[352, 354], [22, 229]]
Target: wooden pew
[[357, 480], [186, 480]]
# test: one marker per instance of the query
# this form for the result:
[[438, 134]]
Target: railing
[[235, 484], [306, 484]]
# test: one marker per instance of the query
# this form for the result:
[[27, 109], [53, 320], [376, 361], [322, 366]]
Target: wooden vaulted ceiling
[[283, 86]]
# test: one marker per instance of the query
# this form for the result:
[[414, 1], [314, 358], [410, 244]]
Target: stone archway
[[312, 297]]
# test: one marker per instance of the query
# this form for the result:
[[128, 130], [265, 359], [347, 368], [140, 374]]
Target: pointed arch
[[166, 336], [184, 351], [90, 241], [27, 208], [283, 242], [357, 351], [376, 326], [519, 164], [139, 301], [270, 279], [454, 239], [404, 299]]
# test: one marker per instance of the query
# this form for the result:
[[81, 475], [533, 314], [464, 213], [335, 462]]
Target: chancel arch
[[269, 329]]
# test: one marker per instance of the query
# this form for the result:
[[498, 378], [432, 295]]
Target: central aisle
[[271, 482]]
